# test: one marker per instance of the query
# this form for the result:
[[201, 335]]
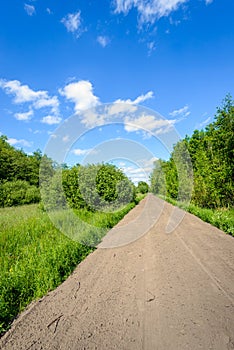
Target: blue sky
[[59, 57]]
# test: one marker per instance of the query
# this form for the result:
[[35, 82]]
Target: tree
[[142, 187], [209, 160]]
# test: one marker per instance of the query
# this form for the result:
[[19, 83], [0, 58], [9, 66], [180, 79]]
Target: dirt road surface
[[162, 291]]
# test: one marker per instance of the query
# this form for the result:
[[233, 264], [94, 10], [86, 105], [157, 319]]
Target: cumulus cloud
[[51, 102], [21, 142], [21, 92], [140, 173], [182, 112], [24, 94], [103, 40], [149, 11], [24, 116], [51, 120], [121, 107], [148, 123], [30, 9], [81, 94], [80, 152], [73, 23]]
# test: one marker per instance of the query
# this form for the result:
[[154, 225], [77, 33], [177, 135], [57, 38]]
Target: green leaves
[[142, 187], [212, 155], [97, 187]]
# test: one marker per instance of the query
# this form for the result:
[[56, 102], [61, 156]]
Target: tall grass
[[222, 218], [36, 257]]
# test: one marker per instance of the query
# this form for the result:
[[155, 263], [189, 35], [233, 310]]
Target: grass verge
[[222, 218], [36, 257]]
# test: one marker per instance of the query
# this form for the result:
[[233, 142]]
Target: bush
[[18, 192]]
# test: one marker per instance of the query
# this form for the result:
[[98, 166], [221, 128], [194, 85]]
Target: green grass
[[221, 218], [36, 257]]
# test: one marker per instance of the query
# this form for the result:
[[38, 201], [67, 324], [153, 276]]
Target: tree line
[[201, 166], [24, 178]]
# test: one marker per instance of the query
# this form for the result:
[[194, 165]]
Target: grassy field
[[36, 257], [222, 218]]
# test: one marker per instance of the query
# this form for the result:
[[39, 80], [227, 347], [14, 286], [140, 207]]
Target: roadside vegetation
[[36, 257], [37, 252], [201, 169], [222, 218]]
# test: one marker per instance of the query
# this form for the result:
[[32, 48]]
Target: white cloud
[[21, 92], [22, 142], [151, 47], [182, 112], [208, 2], [205, 122], [128, 106], [48, 10], [80, 93], [51, 120], [103, 40], [138, 100], [80, 152], [148, 123], [24, 94], [120, 107], [140, 173], [24, 116], [72, 22], [30, 9], [148, 11], [51, 102]]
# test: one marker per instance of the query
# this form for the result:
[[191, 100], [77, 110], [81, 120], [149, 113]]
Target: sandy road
[[163, 291]]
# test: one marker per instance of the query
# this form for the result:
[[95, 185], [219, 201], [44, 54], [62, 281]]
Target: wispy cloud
[[204, 123], [182, 112], [128, 106], [24, 116], [81, 94], [103, 40], [21, 142], [73, 23], [24, 94], [150, 11], [208, 2], [137, 100], [30, 9], [151, 47], [51, 120]]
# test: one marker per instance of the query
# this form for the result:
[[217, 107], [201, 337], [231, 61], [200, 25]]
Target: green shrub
[[18, 192]]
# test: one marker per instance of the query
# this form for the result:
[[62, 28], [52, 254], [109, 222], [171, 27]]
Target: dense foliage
[[93, 187], [202, 164], [142, 187], [19, 175]]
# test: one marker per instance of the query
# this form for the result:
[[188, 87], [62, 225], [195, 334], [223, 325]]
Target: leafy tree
[[142, 187], [157, 178], [212, 161]]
